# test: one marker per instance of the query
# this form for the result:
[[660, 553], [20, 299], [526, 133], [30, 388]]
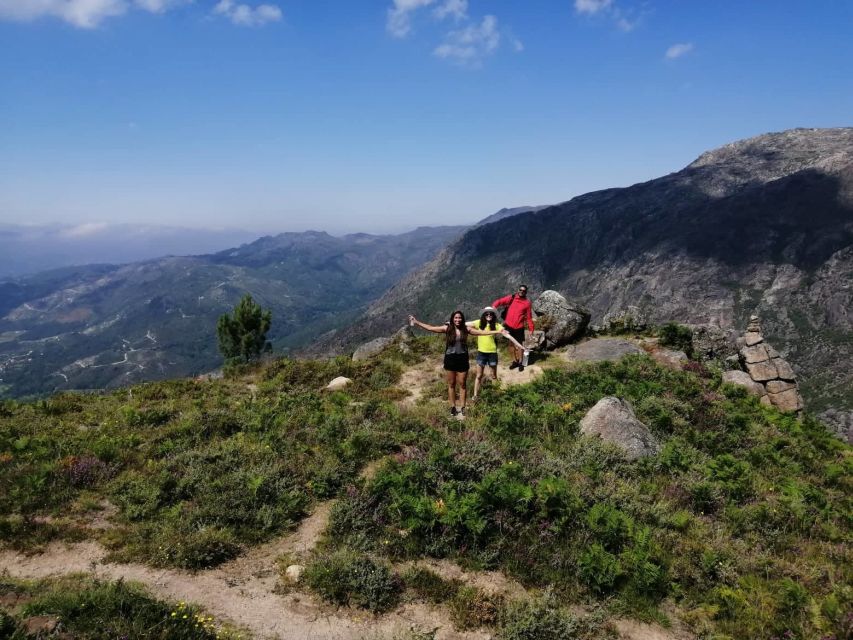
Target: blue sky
[[383, 115]]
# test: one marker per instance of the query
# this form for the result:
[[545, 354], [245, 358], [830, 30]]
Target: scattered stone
[[534, 340], [743, 379], [614, 421], [560, 319], [338, 383], [293, 573], [38, 625], [601, 349], [369, 349]]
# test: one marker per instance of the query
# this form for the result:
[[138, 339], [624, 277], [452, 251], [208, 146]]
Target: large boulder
[[601, 349], [369, 349], [560, 319], [613, 420]]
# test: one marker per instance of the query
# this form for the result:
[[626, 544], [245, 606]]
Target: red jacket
[[518, 311]]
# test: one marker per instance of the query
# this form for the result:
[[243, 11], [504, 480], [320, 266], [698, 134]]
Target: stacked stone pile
[[765, 373]]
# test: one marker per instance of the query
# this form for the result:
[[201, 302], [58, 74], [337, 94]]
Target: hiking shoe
[[520, 367], [462, 412], [453, 411], [515, 364]]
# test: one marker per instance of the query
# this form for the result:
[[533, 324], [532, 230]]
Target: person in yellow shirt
[[487, 349]]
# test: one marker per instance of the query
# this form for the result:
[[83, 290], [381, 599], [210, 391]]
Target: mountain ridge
[[763, 225]]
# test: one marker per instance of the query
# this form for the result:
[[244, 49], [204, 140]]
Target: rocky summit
[[763, 226]]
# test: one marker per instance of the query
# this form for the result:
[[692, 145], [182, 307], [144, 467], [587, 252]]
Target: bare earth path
[[241, 591]]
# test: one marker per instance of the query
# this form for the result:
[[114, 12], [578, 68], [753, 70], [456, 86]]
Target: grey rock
[[562, 320], [788, 401], [762, 371], [601, 349], [632, 318], [784, 369], [712, 342], [752, 339], [670, 357], [370, 349], [778, 386], [732, 363], [757, 353], [534, 339], [742, 378], [614, 421], [293, 573], [341, 382]]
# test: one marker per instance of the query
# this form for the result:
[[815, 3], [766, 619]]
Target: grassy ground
[[742, 521]]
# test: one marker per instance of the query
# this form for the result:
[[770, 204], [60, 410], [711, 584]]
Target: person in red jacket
[[518, 314]]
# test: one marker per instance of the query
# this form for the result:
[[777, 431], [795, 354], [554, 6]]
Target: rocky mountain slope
[[104, 325], [763, 226]]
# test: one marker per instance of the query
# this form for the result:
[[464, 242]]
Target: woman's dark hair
[[483, 320], [450, 334]]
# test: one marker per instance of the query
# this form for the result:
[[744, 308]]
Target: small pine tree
[[243, 336]]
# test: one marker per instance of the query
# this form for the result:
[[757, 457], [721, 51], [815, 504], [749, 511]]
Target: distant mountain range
[[32, 249], [101, 326], [764, 226]]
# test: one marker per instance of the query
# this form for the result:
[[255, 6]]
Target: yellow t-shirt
[[486, 344]]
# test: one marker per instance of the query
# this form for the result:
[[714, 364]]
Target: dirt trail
[[241, 591], [416, 379]]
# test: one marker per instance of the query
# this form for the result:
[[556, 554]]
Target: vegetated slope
[[101, 326], [740, 522], [760, 226]]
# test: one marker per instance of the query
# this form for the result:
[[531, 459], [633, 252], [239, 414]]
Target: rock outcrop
[[614, 421], [371, 348], [559, 320], [601, 349], [341, 382]]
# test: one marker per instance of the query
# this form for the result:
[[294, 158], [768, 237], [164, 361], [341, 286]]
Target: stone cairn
[[765, 373]]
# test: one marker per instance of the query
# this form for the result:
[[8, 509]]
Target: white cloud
[[159, 6], [399, 22], [83, 230], [457, 9], [678, 50], [85, 14], [245, 16], [470, 45], [591, 7]]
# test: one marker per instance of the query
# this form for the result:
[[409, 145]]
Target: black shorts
[[518, 334], [457, 362]]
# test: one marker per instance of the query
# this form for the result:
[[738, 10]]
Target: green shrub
[[98, 610], [677, 336], [609, 525], [599, 569], [540, 619], [348, 578], [430, 586], [472, 608]]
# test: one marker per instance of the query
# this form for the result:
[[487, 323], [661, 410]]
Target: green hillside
[[738, 528]]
